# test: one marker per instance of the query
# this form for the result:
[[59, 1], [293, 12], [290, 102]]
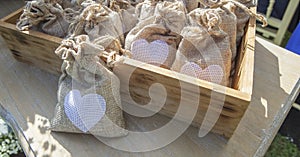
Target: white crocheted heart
[[213, 73], [155, 53], [84, 112]]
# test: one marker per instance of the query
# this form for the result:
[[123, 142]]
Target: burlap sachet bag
[[242, 19], [43, 16], [229, 26], [145, 9], [243, 14], [74, 4], [191, 4], [155, 39], [126, 12], [66, 3], [97, 20], [135, 2], [72, 16], [241, 10], [204, 51], [88, 95]]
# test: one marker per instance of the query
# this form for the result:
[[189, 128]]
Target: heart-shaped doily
[[84, 112], [213, 73]]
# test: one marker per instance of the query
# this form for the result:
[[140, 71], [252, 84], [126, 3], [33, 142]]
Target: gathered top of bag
[[171, 15], [49, 16], [168, 19], [208, 18], [97, 20], [238, 3], [154, 40], [145, 9], [126, 12], [151, 30], [82, 50], [75, 4]]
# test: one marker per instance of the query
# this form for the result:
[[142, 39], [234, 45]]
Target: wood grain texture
[[30, 46], [37, 49], [28, 98], [245, 64], [139, 80]]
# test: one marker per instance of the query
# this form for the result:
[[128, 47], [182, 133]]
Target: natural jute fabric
[[43, 16], [205, 43], [168, 20], [84, 70]]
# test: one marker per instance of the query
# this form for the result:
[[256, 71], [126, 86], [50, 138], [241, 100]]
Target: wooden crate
[[32, 47], [38, 49]]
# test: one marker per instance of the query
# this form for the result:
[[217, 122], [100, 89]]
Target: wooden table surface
[[28, 99]]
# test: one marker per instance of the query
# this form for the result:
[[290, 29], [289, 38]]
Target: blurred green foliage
[[9, 145], [282, 147]]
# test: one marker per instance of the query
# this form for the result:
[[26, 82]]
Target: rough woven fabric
[[97, 20], [166, 24], [210, 3], [229, 26], [126, 12], [45, 16], [243, 13], [135, 2], [69, 3], [65, 3], [191, 4], [145, 9], [84, 70], [242, 20], [205, 43], [248, 3], [241, 10], [73, 15]]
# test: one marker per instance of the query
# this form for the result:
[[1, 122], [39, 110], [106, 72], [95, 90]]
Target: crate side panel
[[32, 47], [136, 87]]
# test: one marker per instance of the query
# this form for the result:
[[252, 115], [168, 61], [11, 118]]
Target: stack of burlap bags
[[196, 38]]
